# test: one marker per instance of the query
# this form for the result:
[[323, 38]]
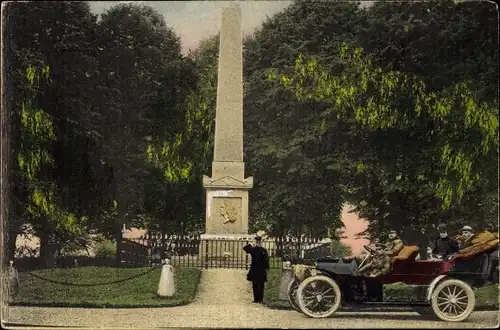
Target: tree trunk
[[118, 253], [119, 232], [11, 247], [48, 250], [11, 244], [44, 248]]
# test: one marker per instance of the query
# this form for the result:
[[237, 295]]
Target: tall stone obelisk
[[227, 189]]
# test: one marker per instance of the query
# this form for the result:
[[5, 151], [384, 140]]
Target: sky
[[196, 20]]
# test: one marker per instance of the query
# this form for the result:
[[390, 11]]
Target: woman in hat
[[444, 246], [258, 267]]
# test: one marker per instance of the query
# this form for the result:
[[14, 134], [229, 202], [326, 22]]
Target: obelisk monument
[[227, 189]]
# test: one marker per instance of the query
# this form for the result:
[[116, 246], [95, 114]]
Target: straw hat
[[467, 228]]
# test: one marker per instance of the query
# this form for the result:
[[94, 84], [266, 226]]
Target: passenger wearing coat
[[258, 268], [444, 246]]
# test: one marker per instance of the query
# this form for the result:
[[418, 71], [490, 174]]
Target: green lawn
[[136, 292], [485, 297]]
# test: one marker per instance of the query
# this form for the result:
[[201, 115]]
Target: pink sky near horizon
[[353, 225]]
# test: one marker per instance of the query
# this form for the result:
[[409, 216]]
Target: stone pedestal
[[226, 205]]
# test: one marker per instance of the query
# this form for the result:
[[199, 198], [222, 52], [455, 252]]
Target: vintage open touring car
[[318, 291]]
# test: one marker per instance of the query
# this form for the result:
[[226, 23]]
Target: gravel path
[[224, 300]]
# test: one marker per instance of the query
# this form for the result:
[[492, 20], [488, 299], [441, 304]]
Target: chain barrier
[[86, 284]]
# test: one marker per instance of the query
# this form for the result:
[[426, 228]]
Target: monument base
[[224, 249]]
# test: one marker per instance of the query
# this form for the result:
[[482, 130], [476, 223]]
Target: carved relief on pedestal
[[226, 214]]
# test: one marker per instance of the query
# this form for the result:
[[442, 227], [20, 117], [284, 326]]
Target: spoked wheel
[[292, 294], [319, 296], [453, 300]]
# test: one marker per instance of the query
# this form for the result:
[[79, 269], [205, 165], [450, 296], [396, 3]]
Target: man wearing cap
[[444, 246], [258, 267], [466, 237], [381, 262]]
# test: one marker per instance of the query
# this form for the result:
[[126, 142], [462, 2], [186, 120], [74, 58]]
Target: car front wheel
[[453, 300], [319, 296]]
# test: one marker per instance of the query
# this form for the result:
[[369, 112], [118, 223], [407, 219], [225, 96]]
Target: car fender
[[433, 285]]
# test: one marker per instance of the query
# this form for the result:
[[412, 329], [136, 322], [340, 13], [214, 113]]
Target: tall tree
[[142, 72], [453, 132], [294, 192], [56, 34], [184, 155]]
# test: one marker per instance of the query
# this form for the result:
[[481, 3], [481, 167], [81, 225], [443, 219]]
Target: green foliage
[[370, 95], [340, 250], [105, 248], [37, 133], [196, 137], [34, 158], [293, 193]]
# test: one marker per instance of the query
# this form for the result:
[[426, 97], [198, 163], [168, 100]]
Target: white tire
[[319, 296], [453, 300]]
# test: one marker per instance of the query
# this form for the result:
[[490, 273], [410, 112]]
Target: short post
[[166, 287], [13, 280], [286, 278]]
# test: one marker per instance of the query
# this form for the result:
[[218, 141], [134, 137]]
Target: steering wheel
[[370, 252]]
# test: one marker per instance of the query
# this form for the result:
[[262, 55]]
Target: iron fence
[[193, 251]]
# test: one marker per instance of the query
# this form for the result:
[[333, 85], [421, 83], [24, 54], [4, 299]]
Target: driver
[[381, 262]]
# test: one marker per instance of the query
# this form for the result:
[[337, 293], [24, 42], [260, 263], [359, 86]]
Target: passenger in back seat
[[444, 246]]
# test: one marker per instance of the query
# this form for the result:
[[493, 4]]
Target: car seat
[[408, 252]]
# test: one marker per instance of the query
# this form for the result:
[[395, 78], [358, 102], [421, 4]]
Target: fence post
[[206, 252]]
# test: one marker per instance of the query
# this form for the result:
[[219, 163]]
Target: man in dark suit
[[258, 268]]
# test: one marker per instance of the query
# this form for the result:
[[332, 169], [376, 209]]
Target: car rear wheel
[[292, 294], [318, 296], [453, 300]]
